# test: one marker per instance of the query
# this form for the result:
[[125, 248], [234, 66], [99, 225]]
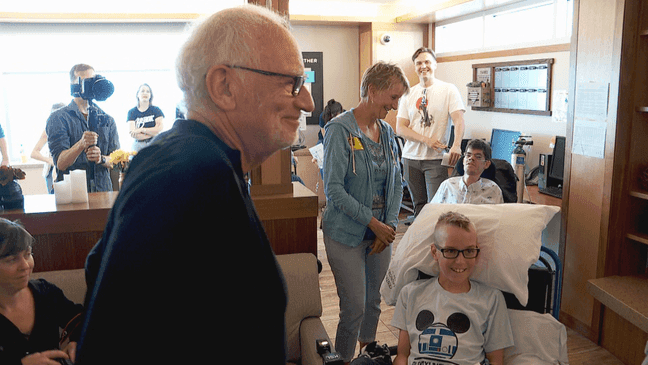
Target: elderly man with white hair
[[184, 272]]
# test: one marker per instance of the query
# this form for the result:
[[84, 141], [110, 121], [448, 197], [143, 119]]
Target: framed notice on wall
[[518, 86], [314, 83]]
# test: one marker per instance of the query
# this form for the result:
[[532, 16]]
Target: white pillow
[[509, 236]]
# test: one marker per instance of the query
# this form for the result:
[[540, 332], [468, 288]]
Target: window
[[459, 36], [519, 26], [530, 22], [35, 73]]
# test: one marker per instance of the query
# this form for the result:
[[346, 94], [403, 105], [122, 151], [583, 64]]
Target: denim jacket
[[66, 126], [348, 176]]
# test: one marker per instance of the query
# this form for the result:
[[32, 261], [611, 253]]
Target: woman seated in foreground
[[31, 311]]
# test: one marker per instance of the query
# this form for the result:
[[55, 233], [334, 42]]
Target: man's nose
[[305, 100]]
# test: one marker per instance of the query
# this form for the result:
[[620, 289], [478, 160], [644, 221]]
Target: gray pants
[[423, 179], [358, 277]]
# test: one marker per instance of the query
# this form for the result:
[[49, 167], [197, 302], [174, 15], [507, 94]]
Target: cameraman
[[72, 143]]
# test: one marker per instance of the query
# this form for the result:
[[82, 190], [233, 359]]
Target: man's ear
[[220, 82], [487, 164]]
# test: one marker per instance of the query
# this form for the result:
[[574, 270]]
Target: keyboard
[[554, 191]]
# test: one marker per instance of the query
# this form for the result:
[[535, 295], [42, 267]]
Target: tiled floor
[[581, 351]]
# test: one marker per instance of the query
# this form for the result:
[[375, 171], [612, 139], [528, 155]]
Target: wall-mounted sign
[[314, 83]]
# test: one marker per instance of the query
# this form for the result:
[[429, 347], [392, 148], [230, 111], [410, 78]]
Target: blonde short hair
[[381, 75], [455, 219]]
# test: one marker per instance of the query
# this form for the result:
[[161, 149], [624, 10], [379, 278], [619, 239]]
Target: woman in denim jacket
[[363, 187]]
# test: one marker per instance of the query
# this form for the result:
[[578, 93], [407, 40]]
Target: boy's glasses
[[298, 81], [453, 253]]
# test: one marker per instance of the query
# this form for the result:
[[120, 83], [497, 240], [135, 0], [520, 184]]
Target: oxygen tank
[[518, 161]]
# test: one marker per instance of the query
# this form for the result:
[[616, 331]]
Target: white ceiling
[[409, 11]]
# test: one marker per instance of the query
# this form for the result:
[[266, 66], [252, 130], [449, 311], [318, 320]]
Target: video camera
[[328, 357], [94, 88]]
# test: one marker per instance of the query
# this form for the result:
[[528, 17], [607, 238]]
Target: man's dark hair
[[79, 68], [422, 50], [480, 144], [333, 108]]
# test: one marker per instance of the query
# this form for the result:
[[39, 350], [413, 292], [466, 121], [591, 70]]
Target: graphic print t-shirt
[[446, 328], [145, 119]]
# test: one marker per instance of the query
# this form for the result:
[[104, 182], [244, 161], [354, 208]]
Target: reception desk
[[65, 234]]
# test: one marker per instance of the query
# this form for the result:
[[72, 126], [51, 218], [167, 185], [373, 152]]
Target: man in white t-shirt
[[423, 121]]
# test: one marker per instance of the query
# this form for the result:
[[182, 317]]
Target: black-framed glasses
[[298, 81], [453, 253]]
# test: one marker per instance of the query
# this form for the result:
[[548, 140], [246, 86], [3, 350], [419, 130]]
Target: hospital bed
[[510, 238]]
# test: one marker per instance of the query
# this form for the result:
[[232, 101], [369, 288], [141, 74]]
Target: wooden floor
[[581, 350]]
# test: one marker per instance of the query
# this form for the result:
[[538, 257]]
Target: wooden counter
[[65, 234], [536, 197], [290, 220], [70, 228]]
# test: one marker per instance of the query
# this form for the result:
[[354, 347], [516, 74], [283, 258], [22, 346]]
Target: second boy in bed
[[451, 319]]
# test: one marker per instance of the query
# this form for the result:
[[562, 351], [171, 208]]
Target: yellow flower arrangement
[[121, 159]]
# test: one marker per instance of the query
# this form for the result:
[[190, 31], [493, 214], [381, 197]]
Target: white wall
[[479, 124], [339, 45], [340, 49]]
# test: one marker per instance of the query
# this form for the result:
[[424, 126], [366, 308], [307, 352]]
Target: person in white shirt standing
[[422, 120], [471, 188]]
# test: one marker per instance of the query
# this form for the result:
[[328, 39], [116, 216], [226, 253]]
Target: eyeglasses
[[298, 81], [477, 157], [453, 253]]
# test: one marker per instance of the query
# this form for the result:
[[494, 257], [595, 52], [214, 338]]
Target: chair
[[499, 171], [303, 312], [303, 324], [71, 282]]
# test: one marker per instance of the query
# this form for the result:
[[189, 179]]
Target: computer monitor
[[502, 143], [558, 160]]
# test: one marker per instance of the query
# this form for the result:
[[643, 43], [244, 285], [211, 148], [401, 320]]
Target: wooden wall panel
[[614, 327], [63, 251], [292, 235], [589, 178]]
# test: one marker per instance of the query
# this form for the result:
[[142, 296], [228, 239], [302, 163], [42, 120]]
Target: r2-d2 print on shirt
[[438, 342]]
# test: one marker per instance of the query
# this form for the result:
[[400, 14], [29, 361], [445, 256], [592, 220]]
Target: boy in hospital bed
[[451, 319]]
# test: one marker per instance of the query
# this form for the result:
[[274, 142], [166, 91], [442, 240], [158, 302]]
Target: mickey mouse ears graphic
[[457, 322]]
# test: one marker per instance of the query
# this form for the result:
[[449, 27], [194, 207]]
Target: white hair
[[224, 38]]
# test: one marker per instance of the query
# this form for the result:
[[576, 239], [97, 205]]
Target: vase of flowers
[[120, 160], [11, 195]]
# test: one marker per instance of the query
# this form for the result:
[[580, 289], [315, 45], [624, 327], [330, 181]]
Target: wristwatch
[[103, 160]]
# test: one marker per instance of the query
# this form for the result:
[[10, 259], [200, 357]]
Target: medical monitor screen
[[558, 160], [502, 143]]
